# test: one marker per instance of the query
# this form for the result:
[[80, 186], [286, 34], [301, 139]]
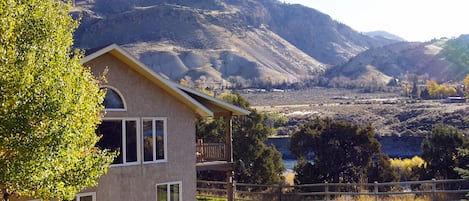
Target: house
[[151, 121], [455, 99]]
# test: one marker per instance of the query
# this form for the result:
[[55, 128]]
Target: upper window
[[113, 100], [168, 192], [120, 135], [154, 139]]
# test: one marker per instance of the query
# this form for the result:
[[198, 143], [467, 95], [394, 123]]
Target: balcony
[[212, 156]]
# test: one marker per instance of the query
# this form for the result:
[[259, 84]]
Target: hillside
[[441, 60], [244, 42]]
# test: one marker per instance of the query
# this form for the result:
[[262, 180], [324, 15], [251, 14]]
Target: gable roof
[[202, 104]]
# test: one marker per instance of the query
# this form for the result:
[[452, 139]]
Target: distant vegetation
[[356, 152], [456, 50], [437, 91], [344, 153]]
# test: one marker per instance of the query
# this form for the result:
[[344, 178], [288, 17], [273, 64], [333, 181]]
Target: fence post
[[433, 189], [376, 191], [326, 190], [230, 186], [280, 187], [234, 190]]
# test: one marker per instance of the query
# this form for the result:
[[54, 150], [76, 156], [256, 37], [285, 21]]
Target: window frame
[[123, 138], [92, 194], [168, 186], [165, 142], [124, 103]]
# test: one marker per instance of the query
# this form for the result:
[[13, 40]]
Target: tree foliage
[[49, 104], [408, 167], [466, 85], [440, 151], [343, 152], [381, 170], [436, 90], [463, 169], [255, 162]]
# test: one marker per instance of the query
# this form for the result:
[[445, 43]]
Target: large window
[[121, 135], [154, 139], [168, 192]]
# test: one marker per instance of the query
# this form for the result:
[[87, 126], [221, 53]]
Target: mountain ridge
[[244, 41], [384, 34], [442, 60]]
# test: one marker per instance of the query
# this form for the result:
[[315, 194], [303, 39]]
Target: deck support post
[[229, 155]]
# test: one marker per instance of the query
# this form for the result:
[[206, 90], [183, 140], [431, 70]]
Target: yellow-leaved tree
[[49, 104]]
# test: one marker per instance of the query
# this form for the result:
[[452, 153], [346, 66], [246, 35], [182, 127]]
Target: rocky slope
[[222, 41]]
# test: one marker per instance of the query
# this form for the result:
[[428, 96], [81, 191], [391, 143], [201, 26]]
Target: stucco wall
[[145, 99]]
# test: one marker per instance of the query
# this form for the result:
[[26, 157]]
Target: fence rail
[[430, 190]]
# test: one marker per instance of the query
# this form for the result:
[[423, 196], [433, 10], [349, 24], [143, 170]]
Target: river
[[394, 146]]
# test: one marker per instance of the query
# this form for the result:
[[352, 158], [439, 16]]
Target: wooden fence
[[427, 190]]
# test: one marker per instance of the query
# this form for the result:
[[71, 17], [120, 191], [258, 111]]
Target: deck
[[212, 156]]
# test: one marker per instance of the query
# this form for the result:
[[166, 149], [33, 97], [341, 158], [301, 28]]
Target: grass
[[210, 198], [289, 178], [391, 198]]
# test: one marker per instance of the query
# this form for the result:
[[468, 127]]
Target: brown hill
[[238, 41], [396, 60]]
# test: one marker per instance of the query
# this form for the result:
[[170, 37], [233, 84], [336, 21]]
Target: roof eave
[[117, 51]]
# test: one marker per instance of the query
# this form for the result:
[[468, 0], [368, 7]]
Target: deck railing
[[210, 152]]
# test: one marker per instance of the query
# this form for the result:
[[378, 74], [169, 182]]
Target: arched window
[[113, 99]]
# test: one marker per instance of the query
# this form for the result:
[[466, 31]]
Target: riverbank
[[394, 146]]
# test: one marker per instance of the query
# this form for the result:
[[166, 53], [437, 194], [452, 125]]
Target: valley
[[388, 113]]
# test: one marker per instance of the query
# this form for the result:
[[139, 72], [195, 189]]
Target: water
[[289, 163], [394, 146]]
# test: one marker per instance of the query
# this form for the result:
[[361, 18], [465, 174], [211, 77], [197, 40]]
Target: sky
[[413, 20]]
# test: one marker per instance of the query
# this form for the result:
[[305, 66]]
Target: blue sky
[[413, 20]]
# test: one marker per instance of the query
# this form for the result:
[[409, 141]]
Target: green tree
[[343, 152], [255, 162], [463, 169], [382, 171], [274, 120], [440, 151], [49, 104]]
